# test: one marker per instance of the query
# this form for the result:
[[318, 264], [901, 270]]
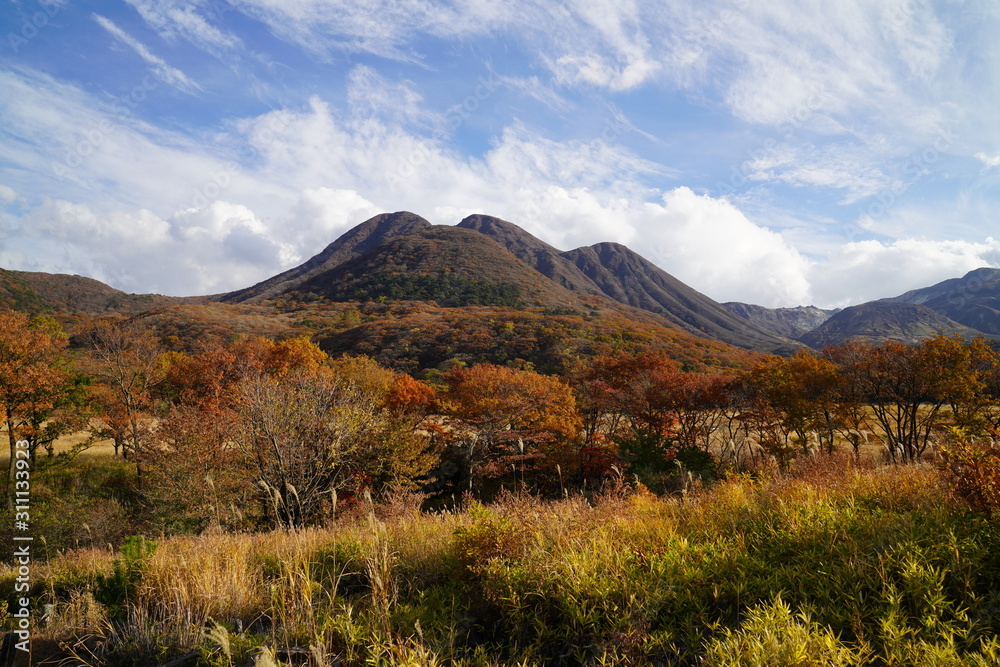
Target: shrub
[[972, 468], [116, 590], [772, 636]]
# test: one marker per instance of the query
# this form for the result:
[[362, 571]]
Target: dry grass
[[856, 559]]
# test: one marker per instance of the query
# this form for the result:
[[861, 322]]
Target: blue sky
[[781, 152]]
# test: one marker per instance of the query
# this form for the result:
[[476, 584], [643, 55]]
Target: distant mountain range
[[968, 306], [488, 262]]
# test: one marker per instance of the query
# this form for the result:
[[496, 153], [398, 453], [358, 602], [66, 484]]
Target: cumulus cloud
[[710, 244], [867, 270]]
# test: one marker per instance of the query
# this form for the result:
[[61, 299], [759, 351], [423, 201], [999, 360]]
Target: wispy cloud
[[160, 68], [172, 19]]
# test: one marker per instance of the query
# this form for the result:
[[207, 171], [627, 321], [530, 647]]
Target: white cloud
[[989, 161], [868, 270], [171, 19], [848, 168], [711, 245], [7, 195], [322, 214], [159, 66], [370, 95]]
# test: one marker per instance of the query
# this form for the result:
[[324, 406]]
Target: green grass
[[831, 565]]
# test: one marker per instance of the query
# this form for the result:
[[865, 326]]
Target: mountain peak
[[350, 245]]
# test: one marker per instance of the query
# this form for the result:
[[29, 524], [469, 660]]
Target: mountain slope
[[615, 271], [352, 244], [879, 321], [787, 322], [442, 263], [534, 252], [972, 300]]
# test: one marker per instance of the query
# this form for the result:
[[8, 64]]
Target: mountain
[[489, 261], [441, 263], [615, 271], [972, 300], [878, 321], [351, 245], [534, 252], [37, 293], [787, 322]]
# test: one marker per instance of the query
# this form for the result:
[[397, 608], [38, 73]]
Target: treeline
[[259, 432]]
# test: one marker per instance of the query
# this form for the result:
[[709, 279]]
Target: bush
[[972, 468], [774, 637]]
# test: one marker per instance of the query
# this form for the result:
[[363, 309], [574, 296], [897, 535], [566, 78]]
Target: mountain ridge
[[789, 322], [878, 321], [972, 300], [619, 273], [350, 245]]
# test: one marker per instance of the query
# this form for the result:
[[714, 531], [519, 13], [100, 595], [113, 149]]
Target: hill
[[879, 321], [787, 322], [410, 336], [972, 300], [37, 293]]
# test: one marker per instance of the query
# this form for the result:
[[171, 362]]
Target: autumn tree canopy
[[40, 393], [514, 416]]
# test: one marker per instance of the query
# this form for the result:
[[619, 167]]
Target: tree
[[907, 385], [129, 366], [796, 398], [301, 428], [40, 393], [656, 412], [193, 472], [515, 417], [309, 435]]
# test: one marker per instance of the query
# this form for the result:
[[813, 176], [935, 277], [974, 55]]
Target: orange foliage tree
[[129, 365], [515, 418], [906, 386], [288, 425], [795, 398], [654, 411], [40, 395]]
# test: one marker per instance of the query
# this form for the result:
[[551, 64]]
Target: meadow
[[834, 562]]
